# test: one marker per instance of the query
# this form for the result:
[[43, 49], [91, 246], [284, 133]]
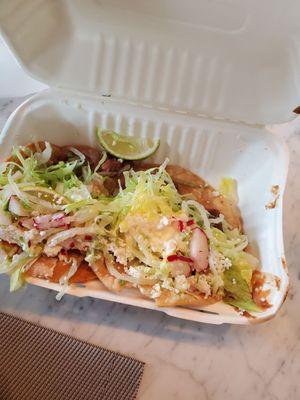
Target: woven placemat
[[39, 363]]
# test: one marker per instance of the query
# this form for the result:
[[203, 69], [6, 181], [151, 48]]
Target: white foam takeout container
[[205, 77]]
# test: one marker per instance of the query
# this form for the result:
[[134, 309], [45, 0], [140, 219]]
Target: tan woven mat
[[39, 363]]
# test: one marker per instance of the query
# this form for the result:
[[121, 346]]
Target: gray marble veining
[[187, 360]]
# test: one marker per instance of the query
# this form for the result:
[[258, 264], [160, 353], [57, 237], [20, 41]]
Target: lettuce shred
[[237, 285], [228, 188]]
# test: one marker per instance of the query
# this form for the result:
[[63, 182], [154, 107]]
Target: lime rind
[[127, 147]]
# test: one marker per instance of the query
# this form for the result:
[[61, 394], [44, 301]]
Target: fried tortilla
[[108, 280], [53, 269], [171, 299], [188, 183]]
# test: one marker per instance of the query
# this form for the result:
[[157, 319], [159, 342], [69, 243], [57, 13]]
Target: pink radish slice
[[199, 250], [180, 268], [179, 257], [190, 222], [49, 221], [182, 225], [180, 265]]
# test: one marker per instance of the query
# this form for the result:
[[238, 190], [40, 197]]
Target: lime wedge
[[126, 147]]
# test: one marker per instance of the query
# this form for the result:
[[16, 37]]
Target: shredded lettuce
[[78, 193], [87, 174], [228, 188], [237, 284], [17, 276], [17, 279], [228, 243], [58, 172], [76, 205], [14, 265]]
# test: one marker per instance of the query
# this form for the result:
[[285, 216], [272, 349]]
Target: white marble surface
[[188, 360]]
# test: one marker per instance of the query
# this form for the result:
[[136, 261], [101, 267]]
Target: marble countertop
[[186, 360]]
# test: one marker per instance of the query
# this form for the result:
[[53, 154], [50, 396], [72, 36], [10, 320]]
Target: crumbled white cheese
[[218, 262], [225, 262], [203, 286], [120, 255], [234, 281], [156, 291], [164, 221], [181, 283], [168, 284], [170, 247], [215, 193], [134, 272], [119, 252]]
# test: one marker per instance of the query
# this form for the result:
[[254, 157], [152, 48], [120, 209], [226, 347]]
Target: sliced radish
[[180, 268], [181, 265], [190, 222], [15, 207], [199, 250], [181, 226], [179, 257], [49, 221]]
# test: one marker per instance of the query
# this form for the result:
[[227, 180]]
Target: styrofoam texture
[[233, 59], [255, 157]]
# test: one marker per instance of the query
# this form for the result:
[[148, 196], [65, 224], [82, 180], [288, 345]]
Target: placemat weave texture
[[39, 363]]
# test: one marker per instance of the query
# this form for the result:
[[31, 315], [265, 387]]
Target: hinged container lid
[[230, 59]]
